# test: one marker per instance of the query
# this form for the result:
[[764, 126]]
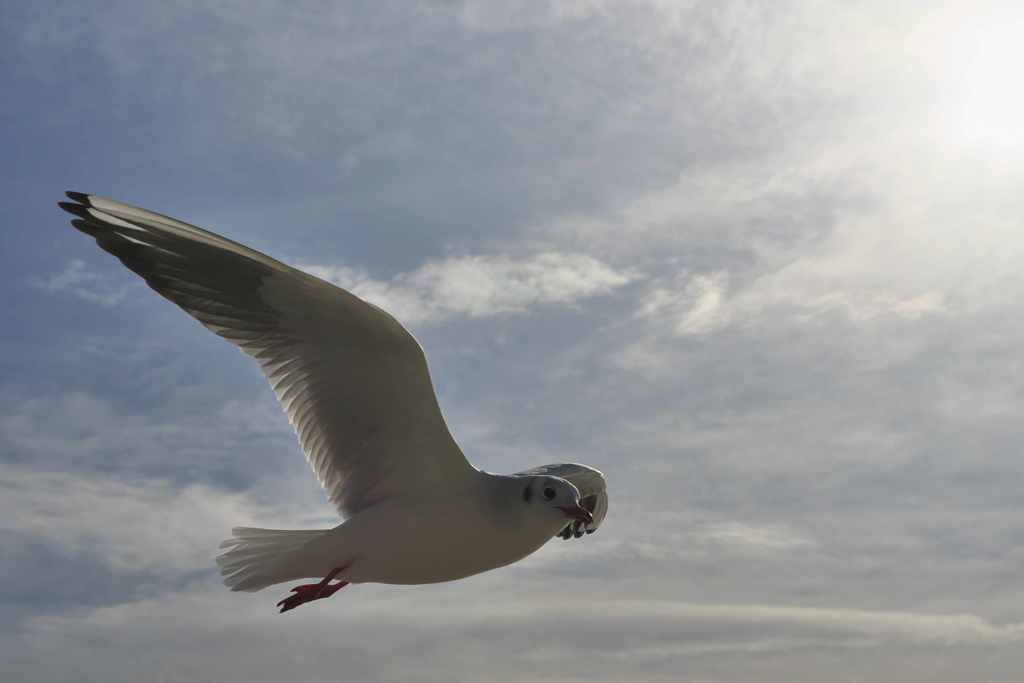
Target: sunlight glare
[[993, 98]]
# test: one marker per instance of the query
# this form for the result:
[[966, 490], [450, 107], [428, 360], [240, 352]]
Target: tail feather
[[257, 558]]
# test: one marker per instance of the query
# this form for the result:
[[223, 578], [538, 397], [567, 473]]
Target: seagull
[[355, 386]]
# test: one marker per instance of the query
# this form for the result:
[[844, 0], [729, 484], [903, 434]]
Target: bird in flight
[[355, 386]]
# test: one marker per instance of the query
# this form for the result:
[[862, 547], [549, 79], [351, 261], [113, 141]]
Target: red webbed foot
[[309, 593], [312, 591]]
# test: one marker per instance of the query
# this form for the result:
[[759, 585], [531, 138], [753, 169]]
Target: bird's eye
[[549, 493]]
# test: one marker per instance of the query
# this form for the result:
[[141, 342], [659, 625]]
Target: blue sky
[[759, 262]]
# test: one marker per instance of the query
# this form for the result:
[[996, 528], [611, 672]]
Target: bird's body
[[355, 386], [438, 538]]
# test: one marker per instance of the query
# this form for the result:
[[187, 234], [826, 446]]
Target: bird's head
[[555, 494]]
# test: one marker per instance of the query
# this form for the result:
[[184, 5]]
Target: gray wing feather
[[353, 382], [593, 494]]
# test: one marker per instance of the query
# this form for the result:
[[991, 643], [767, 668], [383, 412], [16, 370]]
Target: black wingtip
[[84, 226], [79, 197], [79, 210]]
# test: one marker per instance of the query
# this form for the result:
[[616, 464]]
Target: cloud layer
[[761, 265], [480, 286]]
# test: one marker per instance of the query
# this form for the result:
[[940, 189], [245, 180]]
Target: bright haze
[[759, 262]]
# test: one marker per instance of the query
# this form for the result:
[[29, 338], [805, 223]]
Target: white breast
[[430, 541]]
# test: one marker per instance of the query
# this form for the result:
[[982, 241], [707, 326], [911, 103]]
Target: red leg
[[313, 591]]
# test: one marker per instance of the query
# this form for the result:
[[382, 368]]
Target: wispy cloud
[[83, 431], [699, 306], [144, 526], [756, 538], [583, 638], [87, 285], [480, 286], [702, 303]]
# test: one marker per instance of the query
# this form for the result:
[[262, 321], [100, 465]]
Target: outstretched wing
[[353, 382], [593, 494]]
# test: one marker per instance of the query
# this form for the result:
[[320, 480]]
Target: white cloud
[[83, 283], [393, 633], [698, 307], [82, 429], [480, 286], [812, 285], [130, 526], [800, 296], [755, 538], [142, 526]]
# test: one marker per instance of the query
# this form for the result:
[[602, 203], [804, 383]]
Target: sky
[[759, 262]]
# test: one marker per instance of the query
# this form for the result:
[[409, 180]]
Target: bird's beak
[[577, 512]]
